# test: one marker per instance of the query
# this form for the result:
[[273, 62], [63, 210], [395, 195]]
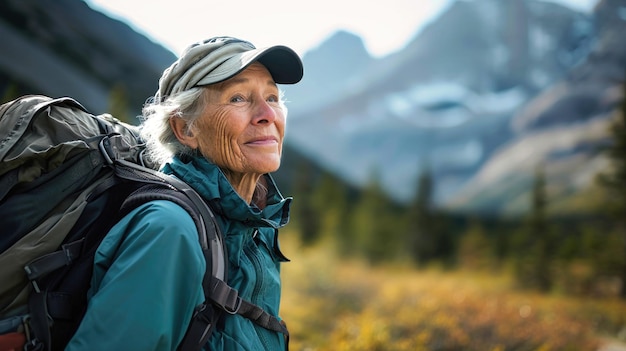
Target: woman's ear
[[184, 134]]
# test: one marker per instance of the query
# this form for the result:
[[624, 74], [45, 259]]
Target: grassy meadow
[[336, 304]]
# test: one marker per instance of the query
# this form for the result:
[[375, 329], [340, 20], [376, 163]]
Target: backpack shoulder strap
[[166, 187], [160, 186], [220, 298]]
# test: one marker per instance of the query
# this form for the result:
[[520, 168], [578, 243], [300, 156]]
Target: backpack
[[66, 177]]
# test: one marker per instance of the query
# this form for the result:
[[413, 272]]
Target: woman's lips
[[263, 141]]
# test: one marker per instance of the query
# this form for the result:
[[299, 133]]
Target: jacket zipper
[[259, 281]]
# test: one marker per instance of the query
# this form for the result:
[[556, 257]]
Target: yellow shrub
[[340, 305]]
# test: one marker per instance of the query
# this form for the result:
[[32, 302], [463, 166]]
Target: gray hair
[[161, 142]]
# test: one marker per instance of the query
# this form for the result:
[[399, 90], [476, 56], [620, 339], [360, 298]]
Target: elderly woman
[[217, 122]]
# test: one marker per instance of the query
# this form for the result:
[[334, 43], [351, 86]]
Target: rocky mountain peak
[[481, 95]]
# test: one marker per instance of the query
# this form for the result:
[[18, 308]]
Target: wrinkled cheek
[[230, 158], [219, 146], [223, 154]]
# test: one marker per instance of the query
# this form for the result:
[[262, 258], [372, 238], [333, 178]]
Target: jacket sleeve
[[147, 281]]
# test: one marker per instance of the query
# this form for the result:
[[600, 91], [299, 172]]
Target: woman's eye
[[237, 98], [272, 98]]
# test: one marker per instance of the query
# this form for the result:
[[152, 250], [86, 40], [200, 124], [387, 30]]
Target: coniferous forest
[[368, 273], [542, 248]]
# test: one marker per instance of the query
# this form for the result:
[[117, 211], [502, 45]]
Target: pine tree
[[331, 202], [373, 235], [614, 181], [534, 244], [543, 248], [422, 221], [304, 211]]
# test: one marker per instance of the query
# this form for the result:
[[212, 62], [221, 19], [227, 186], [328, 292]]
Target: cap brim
[[282, 62]]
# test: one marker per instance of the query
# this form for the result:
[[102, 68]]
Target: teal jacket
[[148, 270]]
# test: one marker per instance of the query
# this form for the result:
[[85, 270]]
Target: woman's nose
[[264, 112]]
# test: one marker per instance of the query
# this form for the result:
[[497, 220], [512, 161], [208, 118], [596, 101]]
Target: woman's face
[[243, 124]]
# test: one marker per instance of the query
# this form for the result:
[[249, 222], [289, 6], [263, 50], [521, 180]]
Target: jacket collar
[[211, 183]]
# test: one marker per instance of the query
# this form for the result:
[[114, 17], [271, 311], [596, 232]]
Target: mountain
[[562, 129], [482, 96], [65, 48], [339, 60], [485, 77]]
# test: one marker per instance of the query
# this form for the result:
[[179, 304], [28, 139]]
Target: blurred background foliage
[[544, 248], [372, 274]]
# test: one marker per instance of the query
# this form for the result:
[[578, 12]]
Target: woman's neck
[[244, 184]]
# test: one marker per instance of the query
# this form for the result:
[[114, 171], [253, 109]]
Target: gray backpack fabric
[[49, 165]]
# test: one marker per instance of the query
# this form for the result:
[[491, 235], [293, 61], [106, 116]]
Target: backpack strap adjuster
[[225, 297], [43, 265], [114, 147]]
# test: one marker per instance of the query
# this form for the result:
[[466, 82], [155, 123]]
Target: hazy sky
[[385, 26]]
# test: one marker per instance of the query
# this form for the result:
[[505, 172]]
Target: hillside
[[477, 81], [64, 48], [479, 97], [561, 130]]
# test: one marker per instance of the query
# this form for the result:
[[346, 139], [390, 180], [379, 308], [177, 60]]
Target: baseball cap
[[217, 59]]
